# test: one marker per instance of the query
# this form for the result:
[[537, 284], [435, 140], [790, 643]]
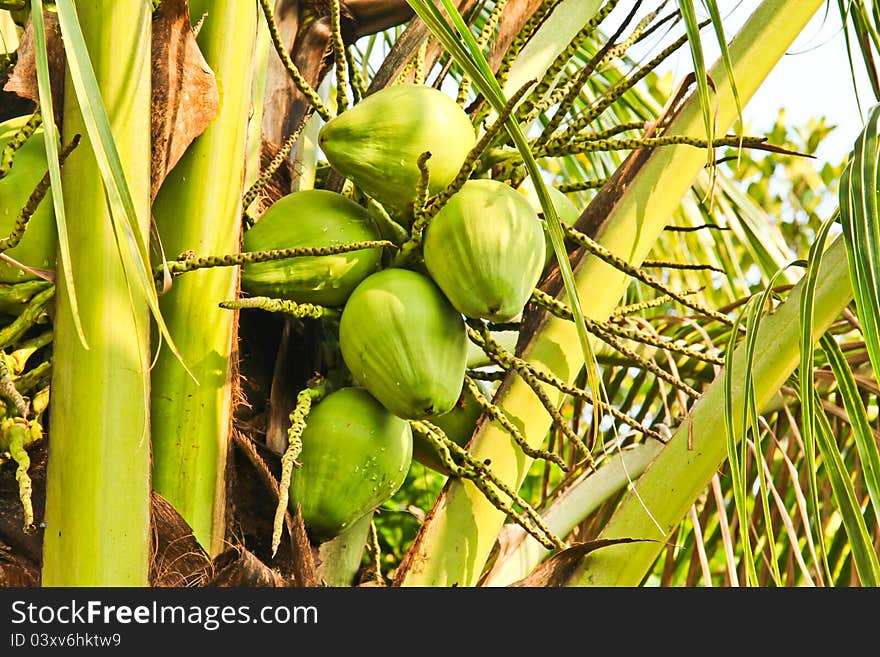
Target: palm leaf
[[693, 30], [718, 26], [860, 219], [806, 341], [736, 460], [864, 556], [750, 422], [693, 469], [866, 443], [52, 140]]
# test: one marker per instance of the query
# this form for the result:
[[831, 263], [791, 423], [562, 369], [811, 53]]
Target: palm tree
[[653, 422]]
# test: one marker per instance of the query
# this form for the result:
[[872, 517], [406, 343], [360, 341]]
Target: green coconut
[[404, 342], [39, 242], [355, 456], [377, 142], [311, 218], [485, 249]]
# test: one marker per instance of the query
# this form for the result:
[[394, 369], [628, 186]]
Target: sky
[[813, 79]]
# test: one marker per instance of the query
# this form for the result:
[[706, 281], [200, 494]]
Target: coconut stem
[[301, 83], [298, 417], [283, 306], [608, 99], [533, 377], [411, 250], [635, 272], [189, 262], [498, 415], [24, 216], [463, 465], [339, 56], [549, 78], [277, 161], [479, 334], [7, 155]]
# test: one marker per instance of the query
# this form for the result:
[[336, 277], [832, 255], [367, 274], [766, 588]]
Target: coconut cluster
[[402, 332]]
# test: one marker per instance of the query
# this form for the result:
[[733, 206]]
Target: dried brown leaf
[[254, 501], [177, 557], [185, 96], [238, 567], [406, 47], [23, 78]]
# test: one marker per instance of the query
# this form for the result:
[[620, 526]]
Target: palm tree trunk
[[98, 478], [199, 208]]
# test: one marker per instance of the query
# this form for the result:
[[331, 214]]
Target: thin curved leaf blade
[[869, 456], [860, 220], [864, 556], [132, 247], [686, 7], [806, 341], [52, 140]]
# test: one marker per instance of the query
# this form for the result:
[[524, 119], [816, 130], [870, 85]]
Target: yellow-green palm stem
[[98, 478], [578, 501], [454, 544], [682, 473], [536, 55], [8, 33], [262, 47], [199, 208]]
